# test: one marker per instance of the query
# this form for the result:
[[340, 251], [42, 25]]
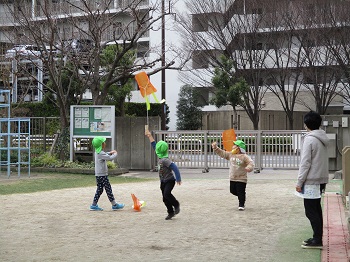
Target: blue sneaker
[[95, 208], [118, 206]]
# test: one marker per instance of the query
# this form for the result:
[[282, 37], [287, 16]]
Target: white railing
[[268, 149]]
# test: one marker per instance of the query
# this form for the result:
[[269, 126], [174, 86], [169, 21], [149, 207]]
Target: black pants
[[313, 212], [168, 198], [238, 189]]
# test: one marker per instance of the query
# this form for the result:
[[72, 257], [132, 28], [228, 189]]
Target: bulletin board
[[91, 121]]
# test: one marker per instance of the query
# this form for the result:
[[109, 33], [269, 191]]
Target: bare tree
[[276, 45], [321, 73], [283, 64], [54, 26], [303, 38], [336, 38], [218, 28]]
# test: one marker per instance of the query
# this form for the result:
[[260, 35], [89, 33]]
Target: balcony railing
[[71, 7], [6, 18], [77, 7]]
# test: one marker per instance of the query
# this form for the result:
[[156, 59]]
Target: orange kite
[[228, 137], [146, 87]]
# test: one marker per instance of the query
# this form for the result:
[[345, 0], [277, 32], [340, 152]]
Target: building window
[[200, 60], [117, 28], [257, 11], [259, 46], [142, 49], [199, 23], [308, 80]]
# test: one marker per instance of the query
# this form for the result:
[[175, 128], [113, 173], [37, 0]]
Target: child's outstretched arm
[[149, 135], [151, 139], [219, 151]]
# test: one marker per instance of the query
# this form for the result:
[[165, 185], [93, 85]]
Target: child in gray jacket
[[101, 173]]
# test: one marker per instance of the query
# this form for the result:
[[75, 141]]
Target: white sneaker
[[241, 208]]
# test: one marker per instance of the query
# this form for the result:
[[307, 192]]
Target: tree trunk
[[121, 108], [234, 123]]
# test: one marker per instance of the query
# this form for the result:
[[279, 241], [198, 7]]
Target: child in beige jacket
[[240, 164]]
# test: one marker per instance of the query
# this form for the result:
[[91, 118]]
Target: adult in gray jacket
[[313, 175]]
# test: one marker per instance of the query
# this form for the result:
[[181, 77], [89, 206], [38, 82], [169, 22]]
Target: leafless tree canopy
[[72, 35], [279, 46]]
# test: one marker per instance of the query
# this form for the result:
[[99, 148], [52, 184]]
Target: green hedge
[[41, 109]]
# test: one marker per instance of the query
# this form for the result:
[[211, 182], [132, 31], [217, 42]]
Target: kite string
[[147, 101], [147, 116]]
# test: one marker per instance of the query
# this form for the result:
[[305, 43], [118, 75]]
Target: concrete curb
[[111, 172]]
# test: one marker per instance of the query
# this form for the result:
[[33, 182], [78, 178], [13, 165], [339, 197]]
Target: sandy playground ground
[[58, 226]]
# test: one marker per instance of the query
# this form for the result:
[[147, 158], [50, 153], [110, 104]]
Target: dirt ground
[[58, 226]]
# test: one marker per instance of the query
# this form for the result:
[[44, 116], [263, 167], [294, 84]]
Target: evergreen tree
[[229, 89], [189, 111]]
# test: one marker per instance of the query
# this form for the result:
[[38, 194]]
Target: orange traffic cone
[[137, 203]]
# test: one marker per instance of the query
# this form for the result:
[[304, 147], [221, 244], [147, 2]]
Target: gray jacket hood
[[320, 135]]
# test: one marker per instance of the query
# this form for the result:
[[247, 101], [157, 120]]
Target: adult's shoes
[[312, 245], [307, 241]]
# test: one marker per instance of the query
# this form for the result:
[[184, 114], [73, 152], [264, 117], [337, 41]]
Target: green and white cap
[[241, 145]]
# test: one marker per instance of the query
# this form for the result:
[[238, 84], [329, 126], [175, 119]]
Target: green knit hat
[[162, 149], [97, 143]]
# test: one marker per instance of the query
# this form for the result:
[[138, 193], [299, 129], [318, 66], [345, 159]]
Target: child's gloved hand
[[214, 145]]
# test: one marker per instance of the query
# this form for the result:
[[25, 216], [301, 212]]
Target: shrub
[[46, 160], [111, 165]]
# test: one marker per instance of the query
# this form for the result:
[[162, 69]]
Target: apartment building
[[118, 16], [293, 54], [57, 28]]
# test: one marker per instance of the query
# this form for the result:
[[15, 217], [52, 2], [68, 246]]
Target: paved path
[[336, 233]]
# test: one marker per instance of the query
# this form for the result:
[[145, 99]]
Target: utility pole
[[163, 116]]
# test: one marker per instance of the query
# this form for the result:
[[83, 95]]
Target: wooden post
[[346, 171]]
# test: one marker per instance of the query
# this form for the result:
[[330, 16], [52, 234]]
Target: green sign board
[[90, 121]]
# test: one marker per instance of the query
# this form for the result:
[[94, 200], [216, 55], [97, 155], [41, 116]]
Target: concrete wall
[[269, 120], [346, 171], [134, 150], [333, 124]]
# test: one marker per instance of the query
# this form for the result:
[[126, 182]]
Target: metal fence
[[41, 133], [192, 149], [268, 149], [43, 130]]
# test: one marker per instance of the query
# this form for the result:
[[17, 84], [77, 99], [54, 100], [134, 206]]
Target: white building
[[298, 46], [120, 24], [239, 13]]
